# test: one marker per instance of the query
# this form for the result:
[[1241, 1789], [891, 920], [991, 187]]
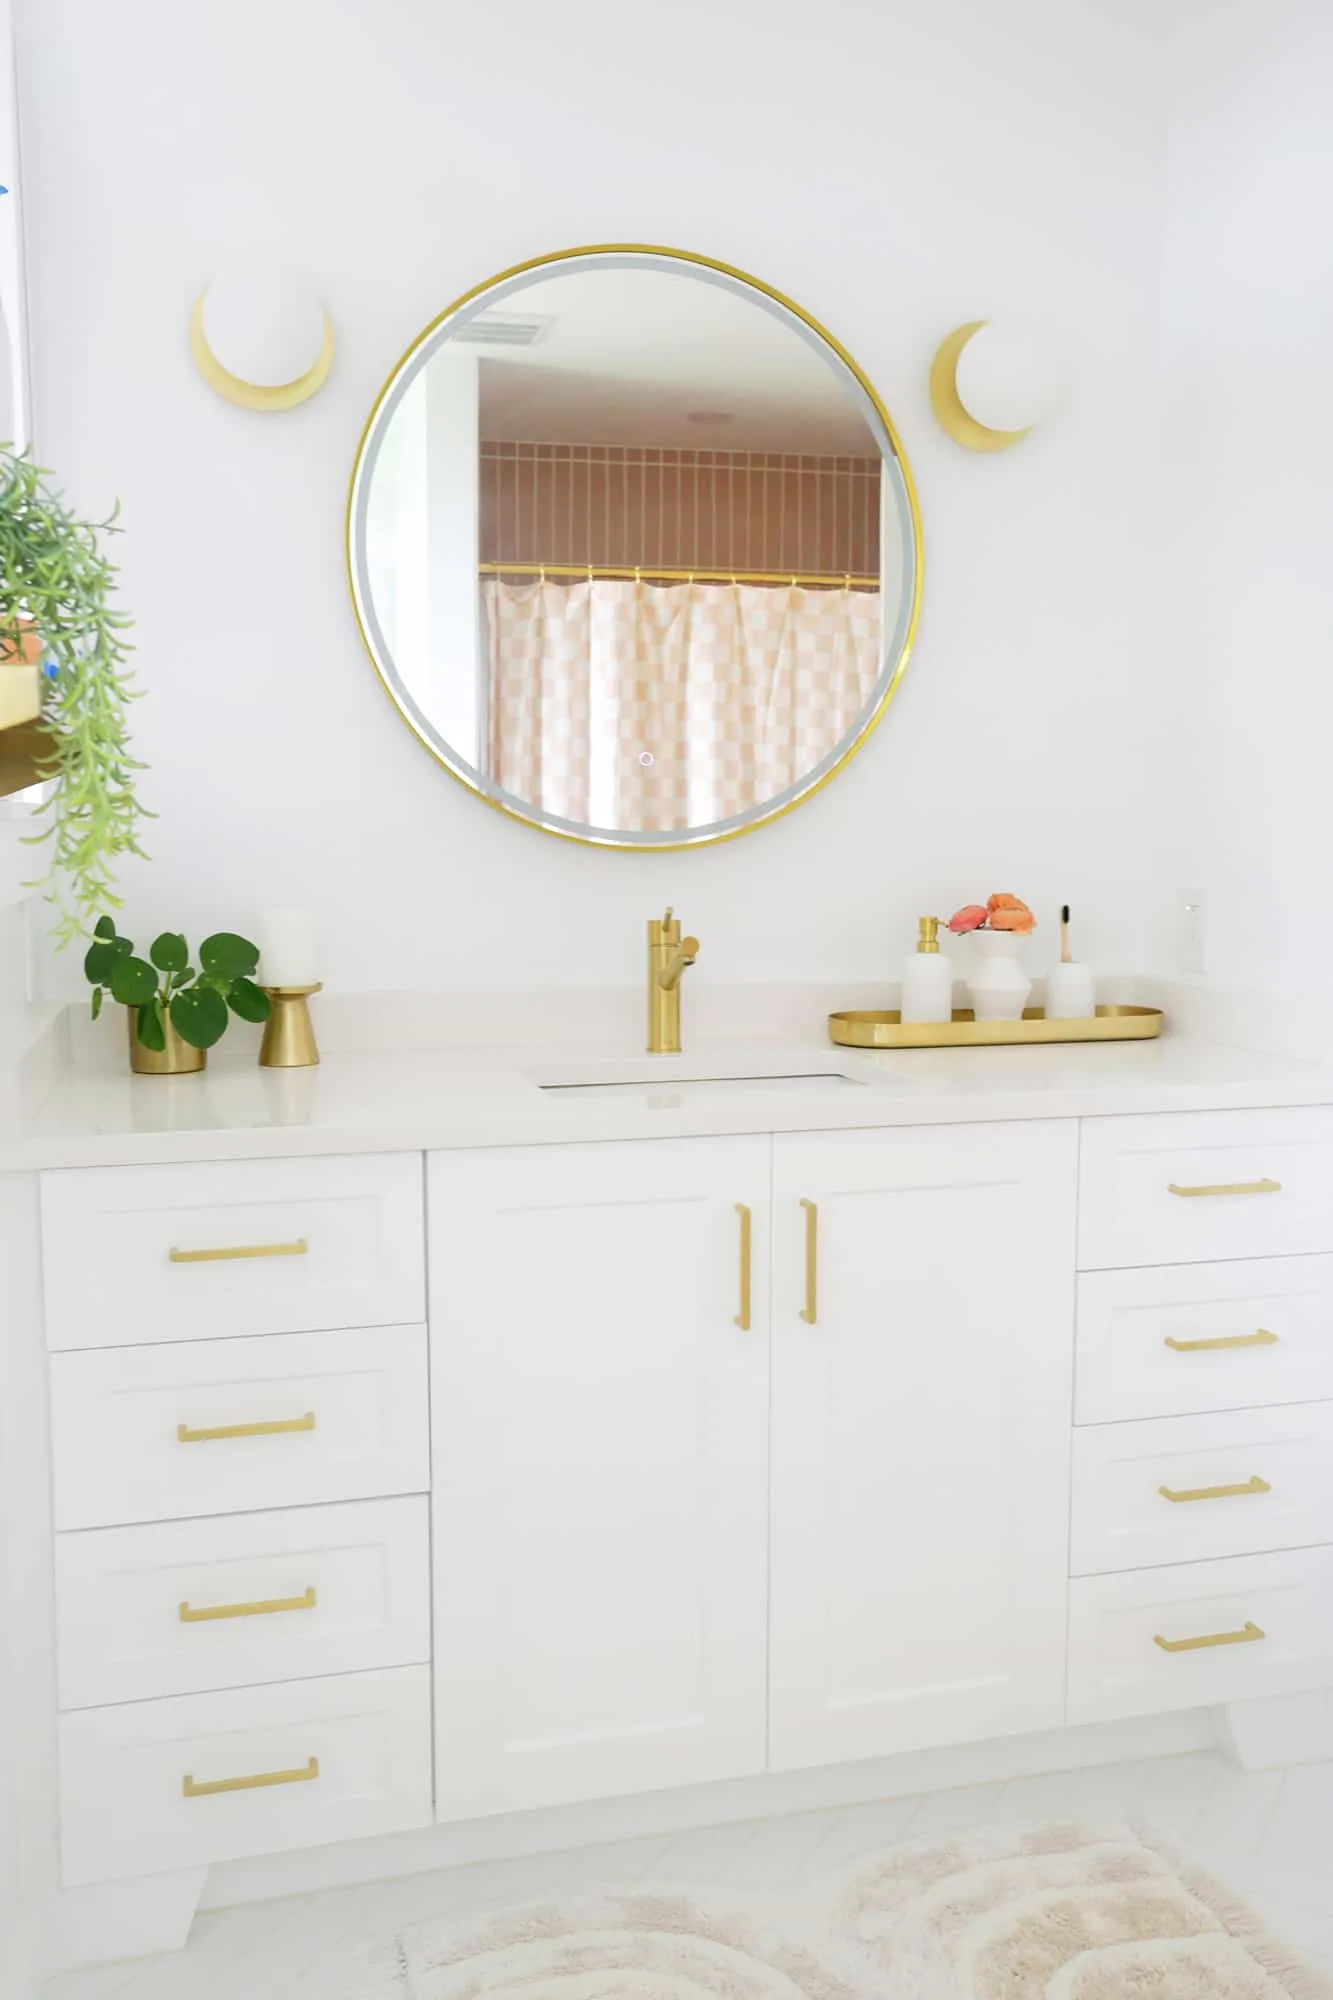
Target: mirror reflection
[[633, 548]]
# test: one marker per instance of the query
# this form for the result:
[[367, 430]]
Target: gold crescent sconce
[[948, 405], [261, 338]]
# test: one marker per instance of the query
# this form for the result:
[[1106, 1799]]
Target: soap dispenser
[[928, 978]]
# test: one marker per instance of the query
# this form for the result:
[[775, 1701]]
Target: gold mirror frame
[[403, 371]]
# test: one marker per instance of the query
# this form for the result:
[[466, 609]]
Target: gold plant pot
[[20, 695], [178, 1058]]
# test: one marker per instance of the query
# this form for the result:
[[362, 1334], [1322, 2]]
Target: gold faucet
[[669, 957]]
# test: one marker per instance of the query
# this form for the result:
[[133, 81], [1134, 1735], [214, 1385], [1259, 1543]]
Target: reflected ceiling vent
[[503, 330]]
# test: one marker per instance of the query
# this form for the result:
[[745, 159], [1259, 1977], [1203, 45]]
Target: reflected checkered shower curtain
[[653, 708]]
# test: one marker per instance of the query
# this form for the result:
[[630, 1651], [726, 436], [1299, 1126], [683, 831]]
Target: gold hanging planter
[[24, 751], [20, 693], [20, 677], [24, 744]]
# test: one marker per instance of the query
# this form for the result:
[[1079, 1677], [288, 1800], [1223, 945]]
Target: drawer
[[160, 1785], [1198, 1187], [136, 1254], [1176, 1340], [1253, 1625], [232, 1426], [184, 1607], [1244, 1481]]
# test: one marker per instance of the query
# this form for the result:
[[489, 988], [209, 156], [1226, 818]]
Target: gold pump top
[[929, 938]]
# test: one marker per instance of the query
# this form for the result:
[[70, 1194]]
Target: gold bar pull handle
[[260, 1608], [280, 1425], [258, 1783], [1255, 1485], [1261, 1337], [747, 1272], [1228, 1187], [240, 1253], [810, 1310], [1246, 1637]]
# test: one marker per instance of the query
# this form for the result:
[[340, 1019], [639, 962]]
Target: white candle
[[288, 948]]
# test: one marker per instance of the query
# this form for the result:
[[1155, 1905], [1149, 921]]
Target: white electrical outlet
[[1191, 930]]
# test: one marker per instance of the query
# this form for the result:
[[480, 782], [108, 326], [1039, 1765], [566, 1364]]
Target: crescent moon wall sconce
[[261, 337], [992, 383]]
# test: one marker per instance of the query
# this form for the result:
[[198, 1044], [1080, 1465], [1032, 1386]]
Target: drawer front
[[1268, 1621], [237, 1426], [1176, 1341], [1200, 1187], [1185, 1489], [136, 1254], [184, 1607], [160, 1785]]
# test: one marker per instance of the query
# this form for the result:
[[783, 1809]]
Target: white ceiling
[[631, 356]]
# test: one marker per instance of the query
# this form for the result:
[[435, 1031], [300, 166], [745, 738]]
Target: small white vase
[[999, 988]]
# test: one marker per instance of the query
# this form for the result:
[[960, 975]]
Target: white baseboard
[[138, 1918], [601, 1820], [1285, 1729]]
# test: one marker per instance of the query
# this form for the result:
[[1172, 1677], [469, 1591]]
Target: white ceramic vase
[[999, 987]]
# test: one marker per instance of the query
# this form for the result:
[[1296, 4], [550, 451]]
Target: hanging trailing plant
[[56, 579]]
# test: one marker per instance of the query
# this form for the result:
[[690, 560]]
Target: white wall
[[1248, 351], [897, 167]]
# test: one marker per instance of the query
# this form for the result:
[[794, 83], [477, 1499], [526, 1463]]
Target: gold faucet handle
[[667, 930]]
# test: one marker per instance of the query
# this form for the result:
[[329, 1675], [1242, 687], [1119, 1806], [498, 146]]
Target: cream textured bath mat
[[1046, 1913]]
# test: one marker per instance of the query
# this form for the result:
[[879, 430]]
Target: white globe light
[[1010, 376], [263, 323]]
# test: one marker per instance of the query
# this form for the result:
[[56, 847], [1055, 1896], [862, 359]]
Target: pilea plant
[[54, 576], [165, 986]]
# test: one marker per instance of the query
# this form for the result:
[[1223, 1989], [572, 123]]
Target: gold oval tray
[[888, 1030]]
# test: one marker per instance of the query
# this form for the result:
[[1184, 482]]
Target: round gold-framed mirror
[[634, 547]]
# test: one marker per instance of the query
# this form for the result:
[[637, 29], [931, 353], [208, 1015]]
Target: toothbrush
[[1066, 955]]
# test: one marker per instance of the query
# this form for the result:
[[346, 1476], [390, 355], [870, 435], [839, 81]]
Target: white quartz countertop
[[409, 1101]]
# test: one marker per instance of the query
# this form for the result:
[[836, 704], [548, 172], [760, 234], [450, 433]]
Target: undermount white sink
[[687, 1080]]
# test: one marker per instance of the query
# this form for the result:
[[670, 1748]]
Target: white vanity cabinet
[[240, 1460], [613, 1443], [1202, 1506], [738, 1454], [922, 1378], [599, 1396]]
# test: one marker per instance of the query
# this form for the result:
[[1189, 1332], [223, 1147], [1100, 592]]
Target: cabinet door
[[600, 1427], [921, 1435]]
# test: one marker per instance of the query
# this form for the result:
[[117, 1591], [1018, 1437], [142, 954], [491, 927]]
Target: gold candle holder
[[289, 1034]]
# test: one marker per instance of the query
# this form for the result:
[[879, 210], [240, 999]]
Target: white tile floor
[[1269, 1835]]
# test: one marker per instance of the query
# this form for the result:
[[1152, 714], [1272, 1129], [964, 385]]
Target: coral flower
[[970, 918], [1010, 913]]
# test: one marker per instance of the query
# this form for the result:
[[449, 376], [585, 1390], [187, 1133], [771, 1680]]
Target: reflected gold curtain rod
[[637, 572]]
